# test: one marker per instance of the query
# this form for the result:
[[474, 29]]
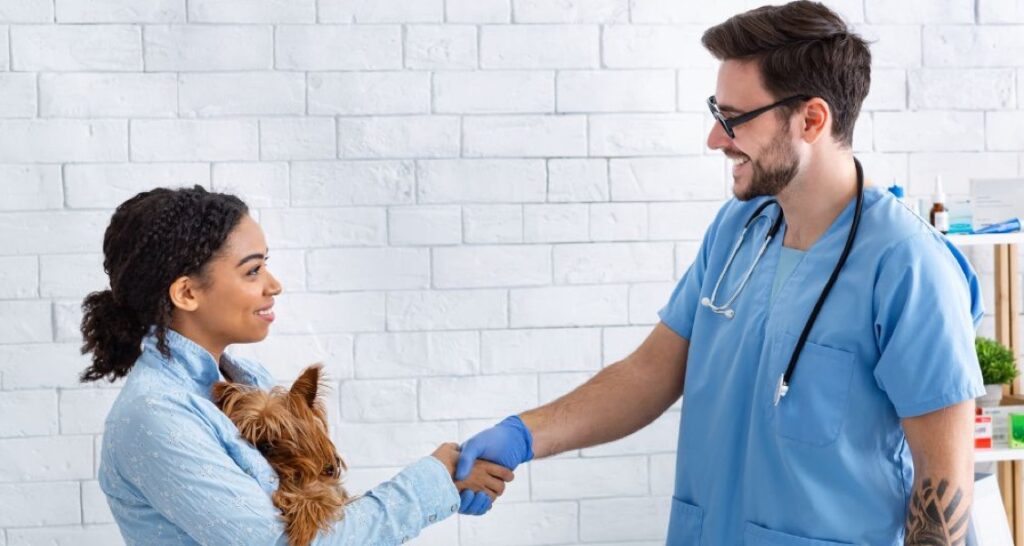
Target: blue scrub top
[[830, 464]]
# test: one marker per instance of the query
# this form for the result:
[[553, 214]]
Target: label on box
[[982, 431]]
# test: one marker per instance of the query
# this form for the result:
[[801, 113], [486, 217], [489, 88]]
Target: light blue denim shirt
[[175, 471]]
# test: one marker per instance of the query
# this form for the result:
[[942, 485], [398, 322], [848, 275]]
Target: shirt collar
[[192, 362], [188, 359]]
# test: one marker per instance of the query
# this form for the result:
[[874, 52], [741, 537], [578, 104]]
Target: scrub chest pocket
[[814, 409]]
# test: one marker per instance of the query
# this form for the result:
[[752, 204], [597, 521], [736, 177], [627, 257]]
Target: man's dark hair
[[802, 48]]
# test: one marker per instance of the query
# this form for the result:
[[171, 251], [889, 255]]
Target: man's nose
[[717, 139]]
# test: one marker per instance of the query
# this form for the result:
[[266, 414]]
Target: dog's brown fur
[[289, 427]]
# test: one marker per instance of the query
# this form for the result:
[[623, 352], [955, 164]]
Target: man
[[865, 436]]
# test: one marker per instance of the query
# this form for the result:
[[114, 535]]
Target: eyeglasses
[[729, 124]]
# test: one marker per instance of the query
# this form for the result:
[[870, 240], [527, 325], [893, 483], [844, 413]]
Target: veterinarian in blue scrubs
[[822, 338]]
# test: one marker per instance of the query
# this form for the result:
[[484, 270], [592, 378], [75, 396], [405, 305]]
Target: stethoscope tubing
[[725, 309], [791, 367]]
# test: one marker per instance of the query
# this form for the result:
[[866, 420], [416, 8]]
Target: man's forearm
[[939, 513], [940, 505], [618, 401]]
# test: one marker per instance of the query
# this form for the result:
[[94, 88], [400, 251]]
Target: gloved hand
[[509, 443]]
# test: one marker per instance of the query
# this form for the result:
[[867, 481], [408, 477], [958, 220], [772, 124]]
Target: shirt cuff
[[681, 327], [433, 469], [963, 394]]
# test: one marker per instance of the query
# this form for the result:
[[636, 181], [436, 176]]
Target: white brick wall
[[473, 205]]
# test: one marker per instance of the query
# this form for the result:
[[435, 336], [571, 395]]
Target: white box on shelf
[[996, 200]]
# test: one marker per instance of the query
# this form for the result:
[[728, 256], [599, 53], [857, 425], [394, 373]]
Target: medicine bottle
[[939, 215]]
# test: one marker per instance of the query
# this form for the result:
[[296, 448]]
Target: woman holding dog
[[188, 278]]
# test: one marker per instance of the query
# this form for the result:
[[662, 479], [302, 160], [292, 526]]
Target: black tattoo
[[937, 516]]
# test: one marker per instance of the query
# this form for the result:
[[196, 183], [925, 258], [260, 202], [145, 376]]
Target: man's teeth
[[737, 161]]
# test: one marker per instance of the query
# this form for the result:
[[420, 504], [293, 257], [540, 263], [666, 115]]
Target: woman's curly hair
[[153, 239]]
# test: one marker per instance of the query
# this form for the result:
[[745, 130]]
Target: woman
[[188, 278]]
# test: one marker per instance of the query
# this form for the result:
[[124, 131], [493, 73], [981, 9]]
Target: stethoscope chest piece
[[781, 388]]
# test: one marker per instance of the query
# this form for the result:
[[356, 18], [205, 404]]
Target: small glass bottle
[[939, 215]]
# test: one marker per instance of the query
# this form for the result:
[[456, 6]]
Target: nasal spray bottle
[[939, 215], [897, 191]]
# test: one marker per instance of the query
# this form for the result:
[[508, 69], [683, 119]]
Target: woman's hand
[[484, 484], [448, 454], [486, 477]]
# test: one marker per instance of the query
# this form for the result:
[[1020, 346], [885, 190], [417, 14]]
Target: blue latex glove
[[509, 443], [474, 503]]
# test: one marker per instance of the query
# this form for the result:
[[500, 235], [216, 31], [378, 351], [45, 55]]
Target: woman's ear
[[183, 293]]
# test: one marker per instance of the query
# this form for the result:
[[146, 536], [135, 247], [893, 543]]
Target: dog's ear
[[307, 384]]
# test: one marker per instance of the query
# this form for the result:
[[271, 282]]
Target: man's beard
[[774, 170]]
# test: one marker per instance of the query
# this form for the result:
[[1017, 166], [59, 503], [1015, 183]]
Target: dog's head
[[289, 427]]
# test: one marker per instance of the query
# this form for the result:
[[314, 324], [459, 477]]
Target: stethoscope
[[726, 310]]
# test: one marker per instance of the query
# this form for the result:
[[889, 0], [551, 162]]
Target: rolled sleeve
[[926, 300]]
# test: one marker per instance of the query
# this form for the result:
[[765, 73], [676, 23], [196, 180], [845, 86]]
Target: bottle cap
[[939, 196]]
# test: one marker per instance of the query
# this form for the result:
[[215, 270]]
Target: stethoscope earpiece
[[725, 309], [726, 312]]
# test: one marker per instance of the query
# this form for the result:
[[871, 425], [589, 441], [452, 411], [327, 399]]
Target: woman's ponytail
[[112, 333]]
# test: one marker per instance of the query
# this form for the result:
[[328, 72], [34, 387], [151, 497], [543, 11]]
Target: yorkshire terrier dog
[[289, 427]]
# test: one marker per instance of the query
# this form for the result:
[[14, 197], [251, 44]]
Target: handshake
[[501, 449]]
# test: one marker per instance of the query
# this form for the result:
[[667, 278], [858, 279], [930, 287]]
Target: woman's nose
[[274, 286]]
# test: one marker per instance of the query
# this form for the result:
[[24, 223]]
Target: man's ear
[[183, 293], [817, 119]]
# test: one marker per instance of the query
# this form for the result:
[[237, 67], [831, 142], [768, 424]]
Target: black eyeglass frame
[[729, 124]]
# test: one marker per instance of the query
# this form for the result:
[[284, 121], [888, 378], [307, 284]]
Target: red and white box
[[982, 431]]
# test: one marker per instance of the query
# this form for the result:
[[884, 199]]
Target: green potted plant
[[997, 369]]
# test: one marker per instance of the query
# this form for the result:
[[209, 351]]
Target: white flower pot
[[993, 394]]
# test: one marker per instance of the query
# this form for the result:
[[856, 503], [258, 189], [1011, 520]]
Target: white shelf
[[987, 239], [985, 455]]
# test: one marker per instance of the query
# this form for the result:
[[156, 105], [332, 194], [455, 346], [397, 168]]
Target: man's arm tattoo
[[938, 516]]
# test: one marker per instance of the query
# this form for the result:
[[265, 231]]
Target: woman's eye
[[255, 271]]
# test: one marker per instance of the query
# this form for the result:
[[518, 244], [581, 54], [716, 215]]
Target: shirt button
[[432, 518], [454, 508], [405, 539]]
